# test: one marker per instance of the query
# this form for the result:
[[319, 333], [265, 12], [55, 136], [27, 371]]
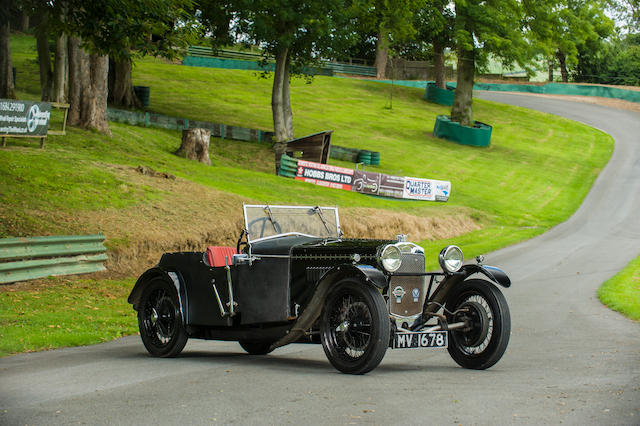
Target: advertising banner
[[391, 186], [373, 183], [24, 118], [366, 182], [426, 189], [325, 175]]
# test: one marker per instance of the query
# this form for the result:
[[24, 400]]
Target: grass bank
[[622, 292], [534, 175]]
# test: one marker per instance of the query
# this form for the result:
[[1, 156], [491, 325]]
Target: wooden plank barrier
[[27, 258]]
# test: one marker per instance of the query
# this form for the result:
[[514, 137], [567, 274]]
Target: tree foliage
[[618, 62], [391, 22]]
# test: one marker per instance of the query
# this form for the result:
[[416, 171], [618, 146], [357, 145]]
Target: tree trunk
[[24, 21], [462, 110], [77, 67], [87, 89], [195, 145], [563, 66], [7, 85], [44, 59], [281, 105], [94, 105], [382, 55], [438, 64], [61, 68], [121, 84]]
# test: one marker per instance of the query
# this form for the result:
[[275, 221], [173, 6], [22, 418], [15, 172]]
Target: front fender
[[494, 273], [368, 274]]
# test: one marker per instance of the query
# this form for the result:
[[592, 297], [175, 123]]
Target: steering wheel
[[264, 220], [241, 243]]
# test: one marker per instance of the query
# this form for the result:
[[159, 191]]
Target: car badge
[[416, 294], [399, 292]]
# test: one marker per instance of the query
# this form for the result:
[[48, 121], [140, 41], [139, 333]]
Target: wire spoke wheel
[[355, 327], [159, 320], [484, 339]]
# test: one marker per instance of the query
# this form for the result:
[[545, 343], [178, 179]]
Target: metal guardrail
[[28, 258], [334, 67], [222, 53]]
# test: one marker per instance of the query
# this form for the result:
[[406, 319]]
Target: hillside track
[[570, 359]]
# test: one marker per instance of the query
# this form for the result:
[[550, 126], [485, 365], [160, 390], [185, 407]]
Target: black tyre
[[355, 327], [256, 347], [160, 321], [483, 342]]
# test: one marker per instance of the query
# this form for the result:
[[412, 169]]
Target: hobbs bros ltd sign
[[23, 118]]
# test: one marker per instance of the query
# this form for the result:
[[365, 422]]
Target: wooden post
[[195, 145]]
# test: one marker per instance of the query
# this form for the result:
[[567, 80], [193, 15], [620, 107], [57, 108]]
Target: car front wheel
[[160, 321], [484, 339], [355, 327]]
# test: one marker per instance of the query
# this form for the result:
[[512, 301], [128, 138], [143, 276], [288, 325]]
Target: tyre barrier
[[355, 155], [288, 166]]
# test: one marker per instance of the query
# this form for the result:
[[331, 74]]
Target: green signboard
[[24, 118]]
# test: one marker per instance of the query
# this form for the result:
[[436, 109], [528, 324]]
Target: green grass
[[534, 175], [622, 292], [65, 313]]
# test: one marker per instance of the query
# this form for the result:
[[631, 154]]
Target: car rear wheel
[[355, 327], [160, 321], [256, 347], [484, 340]]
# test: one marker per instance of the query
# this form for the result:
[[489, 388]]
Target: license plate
[[433, 339]]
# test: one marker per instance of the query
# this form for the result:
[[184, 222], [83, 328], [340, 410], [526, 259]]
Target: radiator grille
[[413, 287]]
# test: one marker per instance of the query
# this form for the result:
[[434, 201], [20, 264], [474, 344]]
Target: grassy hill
[[535, 174]]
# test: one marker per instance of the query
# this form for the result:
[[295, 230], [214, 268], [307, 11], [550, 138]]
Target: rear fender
[[172, 277]]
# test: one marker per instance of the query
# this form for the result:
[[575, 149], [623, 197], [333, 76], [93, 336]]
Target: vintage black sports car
[[294, 278]]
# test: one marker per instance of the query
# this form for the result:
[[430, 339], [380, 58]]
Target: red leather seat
[[216, 255]]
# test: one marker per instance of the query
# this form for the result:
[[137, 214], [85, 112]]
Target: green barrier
[[238, 64], [36, 257], [439, 96], [561, 89], [479, 135], [223, 131], [405, 83]]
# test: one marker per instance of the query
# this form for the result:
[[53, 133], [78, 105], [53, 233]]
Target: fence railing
[[37, 257], [224, 59]]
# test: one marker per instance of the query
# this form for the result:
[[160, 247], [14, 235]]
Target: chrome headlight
[[451, 259], [390, 258]]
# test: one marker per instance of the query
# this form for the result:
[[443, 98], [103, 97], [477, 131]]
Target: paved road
[[570, 360]]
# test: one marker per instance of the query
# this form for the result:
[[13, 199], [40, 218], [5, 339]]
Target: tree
[[109, 28], [164, 30], [7, 85], [482, 28], [617, 62], [434, 25], [579, 25], [297, 34], [390, 20]]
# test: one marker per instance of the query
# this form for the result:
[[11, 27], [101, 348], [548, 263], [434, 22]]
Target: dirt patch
[[375, 223]]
